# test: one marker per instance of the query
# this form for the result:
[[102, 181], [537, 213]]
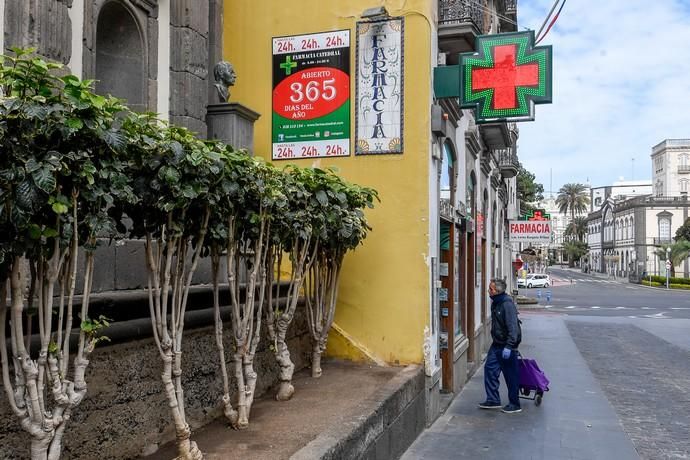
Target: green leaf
[[322, 198], [34, 232], [60, 208], [74, 123], [44, 179], [50, 232]]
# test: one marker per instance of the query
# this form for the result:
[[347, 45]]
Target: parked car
[[534, 280]]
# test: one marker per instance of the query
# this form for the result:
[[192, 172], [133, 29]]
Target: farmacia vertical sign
[[379, 98], [311, 95]]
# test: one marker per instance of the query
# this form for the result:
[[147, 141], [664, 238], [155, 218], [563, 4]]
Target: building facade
[[625, 231], [416, 292], [671, 167]]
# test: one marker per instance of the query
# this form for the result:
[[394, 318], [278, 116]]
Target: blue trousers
[[495, 364]]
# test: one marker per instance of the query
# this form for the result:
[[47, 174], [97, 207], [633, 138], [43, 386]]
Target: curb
[[390, 421]]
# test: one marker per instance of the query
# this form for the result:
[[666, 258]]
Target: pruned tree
[[172, 173], [60, 169], [297, 229], [241, 231], [346, 227]]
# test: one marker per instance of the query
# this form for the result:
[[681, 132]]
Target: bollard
[[548, 296]]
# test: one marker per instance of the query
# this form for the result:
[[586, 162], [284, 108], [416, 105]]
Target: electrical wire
[[546, 20], [555, 18]]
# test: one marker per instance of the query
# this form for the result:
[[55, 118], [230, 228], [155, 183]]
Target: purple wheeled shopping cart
[[533, 381]]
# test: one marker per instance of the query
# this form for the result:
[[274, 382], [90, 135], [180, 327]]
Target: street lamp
[[668, 265]]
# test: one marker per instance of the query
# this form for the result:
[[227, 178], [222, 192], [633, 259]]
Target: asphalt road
[[590, 295]]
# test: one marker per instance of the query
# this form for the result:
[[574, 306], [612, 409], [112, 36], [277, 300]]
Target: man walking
[[502, 356]]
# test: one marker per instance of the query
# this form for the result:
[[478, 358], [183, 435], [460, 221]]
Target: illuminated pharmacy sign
[[502, 80]]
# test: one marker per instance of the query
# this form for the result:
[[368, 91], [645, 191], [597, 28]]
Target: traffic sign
[[668, 265]]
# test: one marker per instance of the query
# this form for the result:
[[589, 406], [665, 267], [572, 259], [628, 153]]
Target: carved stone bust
[[224, 74]]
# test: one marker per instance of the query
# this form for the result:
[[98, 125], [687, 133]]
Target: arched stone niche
[[121, 49]]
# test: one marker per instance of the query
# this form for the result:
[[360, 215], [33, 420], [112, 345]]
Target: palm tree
[[680, 250], [577, 228], [573, 198]]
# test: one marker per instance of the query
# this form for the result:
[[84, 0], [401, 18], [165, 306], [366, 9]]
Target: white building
[[624, 233], [620, 190], [559, 224], [671, 167]]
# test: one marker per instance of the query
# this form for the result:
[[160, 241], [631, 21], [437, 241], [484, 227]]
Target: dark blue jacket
[[505, 326]]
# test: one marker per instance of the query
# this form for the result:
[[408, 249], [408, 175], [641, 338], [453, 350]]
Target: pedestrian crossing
[[630, 312], [584, 280]]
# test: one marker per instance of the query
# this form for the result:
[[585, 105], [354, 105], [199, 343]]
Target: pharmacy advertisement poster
[[311, 95]]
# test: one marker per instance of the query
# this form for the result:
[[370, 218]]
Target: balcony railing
[[457, 11], [508, 162], [684, 168], [658, 241]]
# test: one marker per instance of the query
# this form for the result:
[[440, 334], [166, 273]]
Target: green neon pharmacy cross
[[288, 65], [502, 80]]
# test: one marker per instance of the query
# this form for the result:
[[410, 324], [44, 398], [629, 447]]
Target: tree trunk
[[242, 410], [282, 354], [316, 361], [40, 445]]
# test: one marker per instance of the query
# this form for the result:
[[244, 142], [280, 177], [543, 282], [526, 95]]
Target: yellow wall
[[384, 291]]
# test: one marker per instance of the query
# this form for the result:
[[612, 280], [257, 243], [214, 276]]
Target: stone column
[[189, 32], [2, 26], [233, 124]]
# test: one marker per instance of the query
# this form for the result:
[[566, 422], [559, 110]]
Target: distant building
[[620, 190], [559, 224], [630, 221], [671, 167]]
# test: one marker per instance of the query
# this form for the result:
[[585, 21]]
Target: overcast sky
[[621, 85]]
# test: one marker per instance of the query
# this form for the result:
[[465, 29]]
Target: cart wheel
[[537, 400]]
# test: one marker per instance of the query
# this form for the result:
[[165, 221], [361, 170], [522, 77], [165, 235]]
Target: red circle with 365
[[311, 93]]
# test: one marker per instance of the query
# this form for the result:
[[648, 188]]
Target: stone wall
[[126, 412], [41, 24], [189, 50]]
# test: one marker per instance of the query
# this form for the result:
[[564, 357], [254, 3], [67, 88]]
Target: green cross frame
[[288, 65], [502, 80]]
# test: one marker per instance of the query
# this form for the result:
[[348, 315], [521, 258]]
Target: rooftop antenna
[[633, 169]]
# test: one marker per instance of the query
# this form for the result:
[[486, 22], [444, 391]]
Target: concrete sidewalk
[[574, 422]]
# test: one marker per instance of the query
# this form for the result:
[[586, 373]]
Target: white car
[[534, 280]]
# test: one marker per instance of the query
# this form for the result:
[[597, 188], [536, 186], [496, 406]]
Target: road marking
[[680, 308], [621, 308], [571, 307], [648, 308], [548, 306], [657, 316], [595, 308], [632, 317]]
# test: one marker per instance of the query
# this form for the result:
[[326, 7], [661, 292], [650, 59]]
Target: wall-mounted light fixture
[[377, 12]]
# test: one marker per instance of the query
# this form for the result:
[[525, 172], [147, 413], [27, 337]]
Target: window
[[684, 186], [665, 228], [446, 172], [684, 160]]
